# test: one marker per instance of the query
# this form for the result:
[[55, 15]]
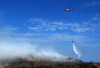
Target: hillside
[[35, 63]]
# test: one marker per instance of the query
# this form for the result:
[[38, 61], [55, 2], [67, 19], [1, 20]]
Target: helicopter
[[69, 9]]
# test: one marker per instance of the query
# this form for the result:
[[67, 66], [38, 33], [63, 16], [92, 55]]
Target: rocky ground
[[34, 63]]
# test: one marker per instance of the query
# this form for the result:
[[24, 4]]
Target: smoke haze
[[12, 47]]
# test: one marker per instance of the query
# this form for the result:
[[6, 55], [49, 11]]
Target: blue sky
[[49, 26]]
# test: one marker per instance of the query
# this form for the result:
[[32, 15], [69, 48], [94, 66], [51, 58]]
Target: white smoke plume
[[13, 46], [76, 50]]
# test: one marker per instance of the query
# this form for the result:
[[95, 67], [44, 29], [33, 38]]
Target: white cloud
[[96, 17], [81, 29], [8, 28], [44, 25], [53, 37], [90, 4], [35, 28], [52, 29], [58, 23], [35, 20]]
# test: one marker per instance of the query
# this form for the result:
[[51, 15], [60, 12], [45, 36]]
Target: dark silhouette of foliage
[[43, 64]]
